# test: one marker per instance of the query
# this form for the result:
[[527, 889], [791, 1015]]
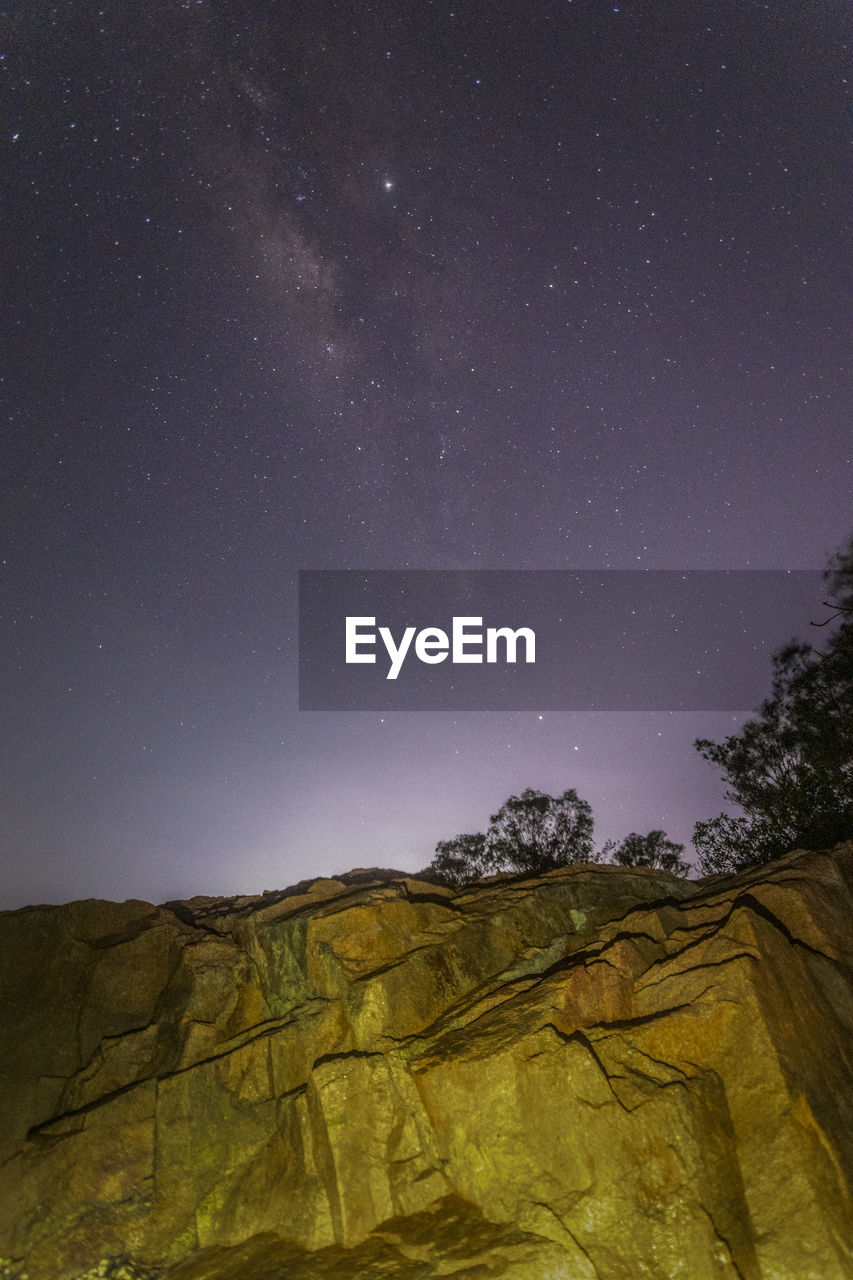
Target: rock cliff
[[596, 1074]]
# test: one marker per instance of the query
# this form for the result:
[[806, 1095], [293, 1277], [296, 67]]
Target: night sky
[[326, 285]]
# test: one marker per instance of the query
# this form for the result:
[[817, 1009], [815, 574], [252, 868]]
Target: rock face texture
[[596, 1074]]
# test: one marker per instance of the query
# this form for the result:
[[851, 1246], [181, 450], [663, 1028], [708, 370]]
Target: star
[[318, 337]]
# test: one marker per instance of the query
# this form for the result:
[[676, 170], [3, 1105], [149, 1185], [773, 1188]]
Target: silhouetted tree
[[791, 768], [461, 859], [652, 850], [535, 832], [531, 832]]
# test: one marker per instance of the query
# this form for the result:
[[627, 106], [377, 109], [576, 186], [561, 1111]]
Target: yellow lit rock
[[594, 1074]]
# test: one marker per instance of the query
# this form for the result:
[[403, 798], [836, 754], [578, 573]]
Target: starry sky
[[337, 285]]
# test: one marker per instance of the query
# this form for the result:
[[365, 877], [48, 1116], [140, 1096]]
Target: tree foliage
[[652, 850], [461, 859], [536, 832], [532, 832], [791, 768]]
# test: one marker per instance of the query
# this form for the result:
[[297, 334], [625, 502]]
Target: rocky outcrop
[[596, 1074]]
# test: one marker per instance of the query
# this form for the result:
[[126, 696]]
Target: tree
[[839, 578], [652, 850], [791, 768], [461, 859], [531, 832], [536, 832]]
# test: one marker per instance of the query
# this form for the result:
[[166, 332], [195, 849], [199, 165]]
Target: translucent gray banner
[[555, 640]]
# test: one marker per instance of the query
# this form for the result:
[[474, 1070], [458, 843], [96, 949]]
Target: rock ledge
[[596, 1074]]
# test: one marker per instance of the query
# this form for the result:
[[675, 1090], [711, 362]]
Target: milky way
[[444, 286]]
